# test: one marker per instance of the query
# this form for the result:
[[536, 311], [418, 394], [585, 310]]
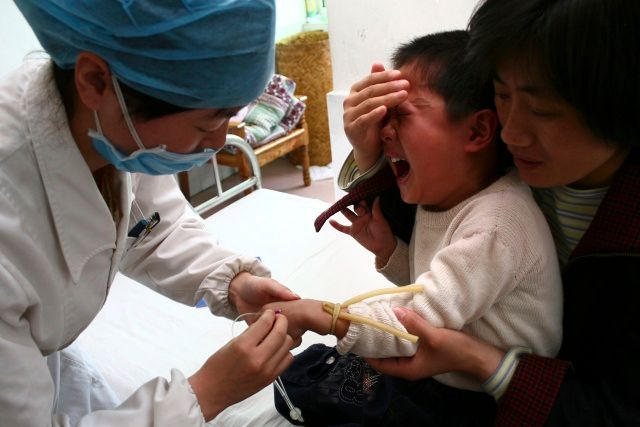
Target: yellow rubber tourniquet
[[335, 311]]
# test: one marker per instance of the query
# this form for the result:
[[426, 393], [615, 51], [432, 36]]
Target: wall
[[16, 38], [365, 31], [290, 17]]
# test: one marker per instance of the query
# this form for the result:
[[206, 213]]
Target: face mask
[[151, 161]]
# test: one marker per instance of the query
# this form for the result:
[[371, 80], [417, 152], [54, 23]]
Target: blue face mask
[[151, 161]]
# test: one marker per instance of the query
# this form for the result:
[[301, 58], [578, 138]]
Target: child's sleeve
[[396, 270], [461, 284]]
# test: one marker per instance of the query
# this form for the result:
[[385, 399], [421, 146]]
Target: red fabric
[[536, 380], [375, 185]]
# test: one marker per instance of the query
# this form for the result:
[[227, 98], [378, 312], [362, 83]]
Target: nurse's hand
[[243, 366], [249, 293], [365, 109], [440, 350]]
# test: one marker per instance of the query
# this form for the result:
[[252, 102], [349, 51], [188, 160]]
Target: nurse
[[133, 93]]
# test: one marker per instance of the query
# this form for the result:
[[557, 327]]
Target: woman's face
[[188, 131], [183, 132], [550, 142]]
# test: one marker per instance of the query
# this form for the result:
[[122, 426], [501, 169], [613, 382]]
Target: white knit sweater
[[488, 266]]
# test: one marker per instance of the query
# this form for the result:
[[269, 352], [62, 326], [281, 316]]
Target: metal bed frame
[[247, 184]]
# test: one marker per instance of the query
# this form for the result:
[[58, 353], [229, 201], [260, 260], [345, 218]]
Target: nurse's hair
[[439, 59], [587, 51]]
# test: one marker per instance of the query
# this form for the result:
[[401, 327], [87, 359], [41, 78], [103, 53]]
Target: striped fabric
[[350, 176], [569, 212]]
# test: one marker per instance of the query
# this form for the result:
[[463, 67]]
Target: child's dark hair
[[586, 50], [439, 57], [138, 104]]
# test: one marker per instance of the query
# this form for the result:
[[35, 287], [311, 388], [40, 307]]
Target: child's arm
[[370, 229], [307, 315], [365, 109]]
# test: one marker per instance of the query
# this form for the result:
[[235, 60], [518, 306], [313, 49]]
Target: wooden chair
[[296, 140]]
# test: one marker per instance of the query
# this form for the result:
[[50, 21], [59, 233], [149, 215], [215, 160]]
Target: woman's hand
[[249, 293], [244, 365], [365, 109], [370, 229], [440, 350]]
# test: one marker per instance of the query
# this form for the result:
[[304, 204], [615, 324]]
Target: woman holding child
[[567, 89], [480, 257]]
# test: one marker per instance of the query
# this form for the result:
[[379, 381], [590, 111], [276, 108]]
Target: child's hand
[[302, 315], [370, 229], [365, 109]]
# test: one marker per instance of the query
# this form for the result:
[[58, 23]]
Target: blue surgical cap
[[189, 53]]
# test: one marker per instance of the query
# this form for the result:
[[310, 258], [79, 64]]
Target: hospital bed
[[140, 335]]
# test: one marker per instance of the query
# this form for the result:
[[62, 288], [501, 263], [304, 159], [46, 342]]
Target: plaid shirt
[[537, 382]]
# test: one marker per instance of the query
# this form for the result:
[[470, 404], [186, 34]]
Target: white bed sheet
[[140, 335]]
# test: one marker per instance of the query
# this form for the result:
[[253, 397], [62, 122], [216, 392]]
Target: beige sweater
[[488, 266]]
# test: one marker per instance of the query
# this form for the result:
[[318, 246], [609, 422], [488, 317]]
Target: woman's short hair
[[588, 51]]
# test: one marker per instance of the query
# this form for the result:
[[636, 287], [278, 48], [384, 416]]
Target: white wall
[[290, 17], [16, 38], [365, 31]]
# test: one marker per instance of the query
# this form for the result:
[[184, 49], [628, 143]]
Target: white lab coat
[[60, 249]]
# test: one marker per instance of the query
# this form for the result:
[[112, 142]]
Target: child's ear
[[483, 125], [92, 78]]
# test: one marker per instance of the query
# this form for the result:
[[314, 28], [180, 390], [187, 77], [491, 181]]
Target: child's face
[[425, 148], [550, 143]]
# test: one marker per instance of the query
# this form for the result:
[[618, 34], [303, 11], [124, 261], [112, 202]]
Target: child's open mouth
[[400, 167]]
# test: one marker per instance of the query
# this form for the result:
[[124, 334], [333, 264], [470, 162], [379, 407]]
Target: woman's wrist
[[499, 381], [483, 360], [234, 288], [209, 409]]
